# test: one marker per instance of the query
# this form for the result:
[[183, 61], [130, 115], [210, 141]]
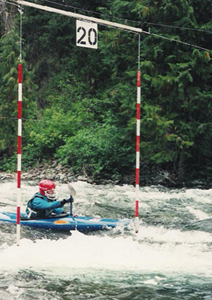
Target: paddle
[[72, 195]]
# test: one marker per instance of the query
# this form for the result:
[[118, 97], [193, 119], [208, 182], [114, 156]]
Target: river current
[[170, 258]]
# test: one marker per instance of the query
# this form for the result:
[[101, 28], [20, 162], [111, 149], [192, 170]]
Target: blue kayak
[[65, 222]]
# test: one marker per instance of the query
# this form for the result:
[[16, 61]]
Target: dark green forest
[[79, 104]]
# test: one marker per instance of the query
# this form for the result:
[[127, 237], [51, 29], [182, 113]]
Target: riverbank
[[62, 174]]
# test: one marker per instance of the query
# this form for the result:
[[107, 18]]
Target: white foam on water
[[200, 215], [153, 251], [202, 196], [173, 236]]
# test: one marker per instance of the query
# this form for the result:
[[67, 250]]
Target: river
[[170, 258]]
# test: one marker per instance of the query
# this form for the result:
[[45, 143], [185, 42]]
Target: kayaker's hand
[[64, 201]]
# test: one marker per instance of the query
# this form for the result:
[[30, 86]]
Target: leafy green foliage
[[84, 110], [9, 54], [95, 150]]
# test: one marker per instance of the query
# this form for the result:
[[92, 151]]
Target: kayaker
[[44, 203]]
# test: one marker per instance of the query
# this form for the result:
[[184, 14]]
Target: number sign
[[86, 34]]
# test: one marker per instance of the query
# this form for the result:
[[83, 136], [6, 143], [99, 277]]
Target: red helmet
[[47, 188]]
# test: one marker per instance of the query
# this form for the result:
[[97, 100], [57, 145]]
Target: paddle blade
[[71, 190]]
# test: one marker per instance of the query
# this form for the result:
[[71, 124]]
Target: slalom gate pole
[[19, 151], [18, 212], [137, 141]]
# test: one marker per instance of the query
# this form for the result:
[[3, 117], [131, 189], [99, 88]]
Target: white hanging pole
[[137, 169], [81, 17], [18, 230]]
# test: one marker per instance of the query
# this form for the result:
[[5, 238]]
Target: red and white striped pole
[[137, 169], [19, 151]]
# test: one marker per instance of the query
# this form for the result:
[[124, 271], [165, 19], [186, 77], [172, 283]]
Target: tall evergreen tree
[[9, 54], [87, 89]]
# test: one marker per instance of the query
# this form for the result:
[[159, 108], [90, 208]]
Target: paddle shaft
[[71, 205], [72, 195]]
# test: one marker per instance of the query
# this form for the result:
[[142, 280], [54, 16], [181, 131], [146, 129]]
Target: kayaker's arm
[[39, 203]]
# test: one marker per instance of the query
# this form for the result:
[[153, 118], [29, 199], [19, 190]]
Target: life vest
[[33, 213]]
